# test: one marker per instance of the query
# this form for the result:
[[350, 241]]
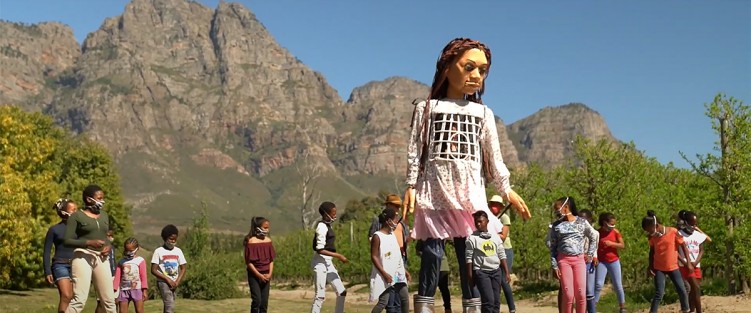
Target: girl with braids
[[568, 235], [259, 263], [664, 244], [389, 276], [58, 272], [454, 142], [694, 239], [131, 278], [86, 232], [607, 253]]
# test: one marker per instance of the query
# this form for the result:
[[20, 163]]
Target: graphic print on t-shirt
[[170, 265], [488, 247]]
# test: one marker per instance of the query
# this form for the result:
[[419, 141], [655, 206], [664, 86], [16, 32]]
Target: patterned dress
[[449, 186]]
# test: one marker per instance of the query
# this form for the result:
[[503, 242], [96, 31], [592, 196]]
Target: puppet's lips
[[470, 84]]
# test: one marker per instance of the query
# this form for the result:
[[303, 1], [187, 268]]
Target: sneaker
[[622, 310]]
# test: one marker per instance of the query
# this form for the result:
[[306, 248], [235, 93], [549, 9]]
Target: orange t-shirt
[[666, 250]]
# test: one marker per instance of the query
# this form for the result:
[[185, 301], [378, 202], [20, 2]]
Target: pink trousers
[[573, 282]]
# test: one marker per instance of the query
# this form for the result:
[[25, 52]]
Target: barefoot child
[[323, 265], [486, 263], [168, 264], [695, 244], [389, 276], [130, 278], [259, 263], [664, 243]]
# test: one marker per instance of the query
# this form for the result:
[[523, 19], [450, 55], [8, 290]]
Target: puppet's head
[[461, 69]]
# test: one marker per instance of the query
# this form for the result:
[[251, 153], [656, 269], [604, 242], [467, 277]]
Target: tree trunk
[[729, 218]]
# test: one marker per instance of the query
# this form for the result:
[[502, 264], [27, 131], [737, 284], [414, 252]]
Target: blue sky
[[647, 66]]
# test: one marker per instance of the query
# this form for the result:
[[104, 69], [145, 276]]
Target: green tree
[[730, 172], [39, 163]]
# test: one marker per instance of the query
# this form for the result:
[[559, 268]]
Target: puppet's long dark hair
[[439, 89]]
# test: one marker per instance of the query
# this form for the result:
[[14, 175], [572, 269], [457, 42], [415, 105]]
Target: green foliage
[[41, 163], [211, 274]]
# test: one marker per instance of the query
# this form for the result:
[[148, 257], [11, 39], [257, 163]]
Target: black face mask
[[688, 229]]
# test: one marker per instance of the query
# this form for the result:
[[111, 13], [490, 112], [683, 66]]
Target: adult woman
[[87, 233], [58, 271], [453, 143]]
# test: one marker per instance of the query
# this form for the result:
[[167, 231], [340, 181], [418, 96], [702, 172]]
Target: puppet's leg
[[470, 295], [432, 251]]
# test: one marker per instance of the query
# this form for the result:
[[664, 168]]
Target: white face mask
[[261, 232], [611, 226], [331, 219], [558, 213]]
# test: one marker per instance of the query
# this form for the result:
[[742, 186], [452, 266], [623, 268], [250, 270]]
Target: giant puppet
[[453, 149]]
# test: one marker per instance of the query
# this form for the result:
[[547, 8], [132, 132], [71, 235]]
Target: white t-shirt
[[693, 242], [169, 261]]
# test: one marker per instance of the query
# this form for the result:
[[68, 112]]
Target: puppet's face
[[466, 75]]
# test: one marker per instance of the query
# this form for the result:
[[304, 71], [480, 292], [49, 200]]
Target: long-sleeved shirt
[[569, 238], [446, 154], [54, 237], [130, 274], [485, 254], [82, 228]]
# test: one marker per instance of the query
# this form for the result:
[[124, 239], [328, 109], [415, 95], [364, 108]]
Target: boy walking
[[168, 265]]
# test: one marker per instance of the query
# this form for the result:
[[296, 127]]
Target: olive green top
[[81, 228]]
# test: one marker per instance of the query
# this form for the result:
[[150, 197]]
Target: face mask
[[485, 235], [610, 226], [111, 239], [688, 229], [130, 254], [169, 246], [97, 206], [558, 214], [331, 219], [391, 226], [261, 232]]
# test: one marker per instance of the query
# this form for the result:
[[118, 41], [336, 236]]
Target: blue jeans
[[591, 273], [675, 276], [510, 260], [432, 251], [614, 270], [507, 293], [489, 285]]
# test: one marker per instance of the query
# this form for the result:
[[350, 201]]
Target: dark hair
[[326, 207], [650, 219], [387, 214], [168, 231], [255, 222], [686, 216], [571, 204], [480, 214], [61, 205], [89, 192], [604, 218], [586, 214], [131, 240]]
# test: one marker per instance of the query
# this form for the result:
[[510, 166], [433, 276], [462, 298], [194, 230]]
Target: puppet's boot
[[473, 305], [424, 304]]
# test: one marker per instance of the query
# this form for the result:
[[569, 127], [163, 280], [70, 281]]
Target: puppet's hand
[[409, 201], [518, 203]]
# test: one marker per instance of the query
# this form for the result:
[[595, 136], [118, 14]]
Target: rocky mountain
[[202, 105], [547, 136]]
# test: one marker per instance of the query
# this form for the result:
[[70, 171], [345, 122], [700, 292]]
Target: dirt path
[[712, 304], [357, 294]]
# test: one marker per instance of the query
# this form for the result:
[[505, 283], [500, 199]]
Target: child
[[168, 264], [591, 265], [325, 252], [486, 263], [610, 264], [664, 242], [695, 243], [259, 263], [568, 257], [58, 272], [389, 276], [130, 278]]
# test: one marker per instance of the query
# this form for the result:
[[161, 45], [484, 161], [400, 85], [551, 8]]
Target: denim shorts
[[61, 271]]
